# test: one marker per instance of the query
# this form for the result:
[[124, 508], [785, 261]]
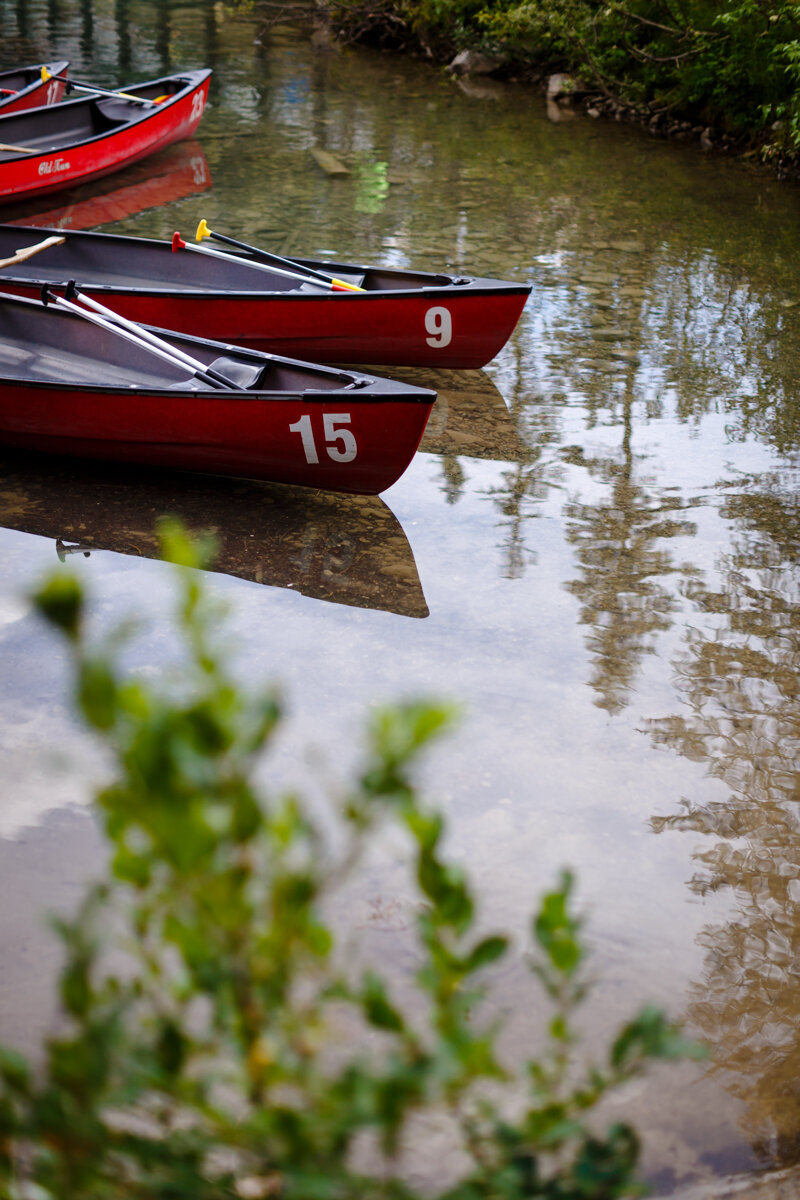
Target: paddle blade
[[339, 285]]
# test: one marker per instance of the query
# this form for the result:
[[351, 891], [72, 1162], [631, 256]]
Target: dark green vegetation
[[213, 1042], [733, 67]]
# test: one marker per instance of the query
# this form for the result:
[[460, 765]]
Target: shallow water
[[595, 551]]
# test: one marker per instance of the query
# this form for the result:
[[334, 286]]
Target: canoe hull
[[380, 328], [220, 434], [216, 436], [52, 169], [28, 88]]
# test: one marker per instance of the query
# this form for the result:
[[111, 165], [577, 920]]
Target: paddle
[[29, 251], [203, 232], [17, 149], [131, 332], [90, 87], [179, 244]]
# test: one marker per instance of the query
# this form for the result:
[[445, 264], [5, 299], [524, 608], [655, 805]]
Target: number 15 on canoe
[[344, 452]]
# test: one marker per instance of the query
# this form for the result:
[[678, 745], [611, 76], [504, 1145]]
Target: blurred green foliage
[[212, 1041], [734, 66]]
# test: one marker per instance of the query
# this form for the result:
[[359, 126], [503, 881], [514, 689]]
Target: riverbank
[[733, 89], [564, 93]]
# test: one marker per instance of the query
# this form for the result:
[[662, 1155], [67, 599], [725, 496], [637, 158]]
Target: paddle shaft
[[157, 342], [179, 244], [268, 256], [90, 87], [163, 351]]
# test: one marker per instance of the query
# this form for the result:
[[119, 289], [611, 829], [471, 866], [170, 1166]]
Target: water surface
[[596, 550]]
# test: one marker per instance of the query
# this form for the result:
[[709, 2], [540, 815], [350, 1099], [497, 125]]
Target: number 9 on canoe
[[439, 324]]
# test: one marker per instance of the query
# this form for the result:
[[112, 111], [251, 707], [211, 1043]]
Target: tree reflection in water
[[741, 684], [622, 561]]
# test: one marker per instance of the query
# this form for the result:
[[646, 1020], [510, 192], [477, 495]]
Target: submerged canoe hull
[[403, 318], [68, 387], [66, 143]]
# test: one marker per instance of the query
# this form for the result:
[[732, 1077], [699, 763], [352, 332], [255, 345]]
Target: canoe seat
[[243, 374], [109, 113]]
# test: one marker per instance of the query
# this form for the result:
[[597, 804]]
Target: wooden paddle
[[29, 251], [265, 256], [17, 149]]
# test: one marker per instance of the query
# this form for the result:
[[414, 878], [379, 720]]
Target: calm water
[[596, 550]]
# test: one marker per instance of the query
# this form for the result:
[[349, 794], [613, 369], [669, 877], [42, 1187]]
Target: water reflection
[[174, 174], [739, 674], [472, 420], [109, 37], [621, 547], [345, 549]]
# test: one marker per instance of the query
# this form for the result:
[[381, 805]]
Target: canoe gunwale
[[350, 393], [474, 285]]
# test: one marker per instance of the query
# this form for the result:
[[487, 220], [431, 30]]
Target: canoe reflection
[[171, 175], [469, 417], [346, 549]]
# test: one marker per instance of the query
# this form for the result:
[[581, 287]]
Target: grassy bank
[[729, 69]]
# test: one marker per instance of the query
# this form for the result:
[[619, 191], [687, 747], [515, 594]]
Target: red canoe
[[48, 148], [402, 317], [69, 386], [25, 87]]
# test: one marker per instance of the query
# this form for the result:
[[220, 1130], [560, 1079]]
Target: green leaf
[[556, 930], [377, 1008], [97, 693], [60, 601], [651, 1035], [14, 1069], [178, 546], [606, 1168], [486, 952], [171, 1047]]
